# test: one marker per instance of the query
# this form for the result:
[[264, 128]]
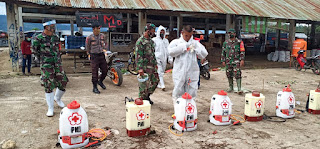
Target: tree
[[303, 29], [318, 29]]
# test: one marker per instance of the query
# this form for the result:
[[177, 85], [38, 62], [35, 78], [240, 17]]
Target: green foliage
[[303, 29], [318, 29], [36, 29]]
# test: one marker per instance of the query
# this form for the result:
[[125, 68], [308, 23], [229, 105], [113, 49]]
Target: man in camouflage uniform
[[46, 47], [147, 63], [232, 57]]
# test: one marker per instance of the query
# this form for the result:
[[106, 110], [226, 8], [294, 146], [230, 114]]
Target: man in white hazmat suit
[[186, 72], [161, 53]]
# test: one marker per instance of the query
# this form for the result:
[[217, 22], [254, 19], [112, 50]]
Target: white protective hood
[[161, 49]]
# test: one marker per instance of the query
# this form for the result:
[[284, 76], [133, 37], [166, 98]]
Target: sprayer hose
[[233, 116], [169, 127]]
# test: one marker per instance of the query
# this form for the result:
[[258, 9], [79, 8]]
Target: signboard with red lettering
[[105, 20]]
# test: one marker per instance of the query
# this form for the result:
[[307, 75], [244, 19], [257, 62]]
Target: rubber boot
[[50, 100], [161, 82], [230, 80], [57, 97], [150, 101], [159, 85], [102, 85], [95, 88], [239, 86]]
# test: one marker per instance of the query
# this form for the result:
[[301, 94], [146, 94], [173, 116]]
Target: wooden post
[[171, 24], [292, 31], [277, 42], [179, 25], [72, 27], [312, 35], [265, 39], [233, 21], [228, 25], [207, 28], [129, 23], [278, 33], [237, 26], [142, 22]]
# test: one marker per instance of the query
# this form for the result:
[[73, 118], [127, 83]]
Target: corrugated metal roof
[[286, 9]]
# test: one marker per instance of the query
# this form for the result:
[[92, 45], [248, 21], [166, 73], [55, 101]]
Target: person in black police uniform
[[95, 46]]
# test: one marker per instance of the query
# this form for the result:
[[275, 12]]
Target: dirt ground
[[23, 110]]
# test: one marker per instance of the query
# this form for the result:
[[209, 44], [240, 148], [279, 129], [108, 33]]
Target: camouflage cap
[[149, 26], [231, 30]]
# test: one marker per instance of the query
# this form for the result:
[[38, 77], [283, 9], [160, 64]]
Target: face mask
[[161, 35], [52, 29], [151, 34], [28, 39]]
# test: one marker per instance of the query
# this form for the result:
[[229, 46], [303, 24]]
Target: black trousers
[[98, 61]]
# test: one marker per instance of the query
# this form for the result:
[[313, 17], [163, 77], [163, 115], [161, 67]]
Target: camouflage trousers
[[149, 86], [233, 70], [53, 77]]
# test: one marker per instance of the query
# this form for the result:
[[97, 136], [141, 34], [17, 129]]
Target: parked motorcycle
[[204, 70], [114, 68], [132, 63], [313, 63]]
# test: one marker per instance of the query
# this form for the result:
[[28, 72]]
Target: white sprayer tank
[[73, 126], [285, 105], [314, 101], [254, 106], [221, 109], [185, 113], [138, 115]]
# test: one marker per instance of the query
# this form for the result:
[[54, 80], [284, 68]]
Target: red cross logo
[[291, 99], [225, 104], [75, 119], [259, 104], [140, 115], [190, 108]]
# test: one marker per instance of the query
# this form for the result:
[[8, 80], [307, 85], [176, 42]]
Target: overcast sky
[[2, 8]]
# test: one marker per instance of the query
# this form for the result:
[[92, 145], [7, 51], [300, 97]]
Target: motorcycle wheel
[[296, 65], [118, 78], [132, 68], [316, 69], [206, 75]]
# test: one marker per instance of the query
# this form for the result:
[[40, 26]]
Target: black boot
[[102, 85], [150, 101], [95, 88]]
